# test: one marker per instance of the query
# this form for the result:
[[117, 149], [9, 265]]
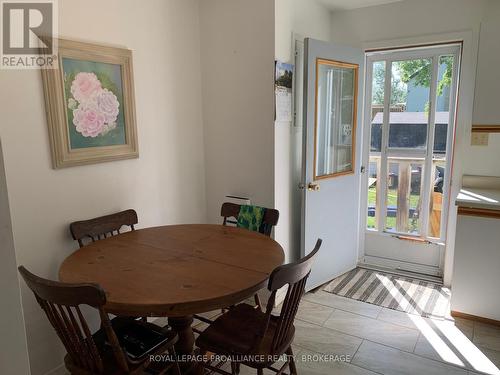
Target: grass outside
[[392, 200]]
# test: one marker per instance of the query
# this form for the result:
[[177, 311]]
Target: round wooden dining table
[[175, 271]]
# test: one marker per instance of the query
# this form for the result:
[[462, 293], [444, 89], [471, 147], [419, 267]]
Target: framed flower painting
[[90, 107]]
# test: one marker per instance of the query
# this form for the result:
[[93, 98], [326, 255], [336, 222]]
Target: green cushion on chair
[[250, 217]]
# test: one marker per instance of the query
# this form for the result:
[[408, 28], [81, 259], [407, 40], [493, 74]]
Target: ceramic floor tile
[[487, 336], [439, 349], [311, 363], [323, 340], [398, 317], [372, 329], [314, 312], [446, 341], [342, 303], [245, 370], [465, 326], [493, 355], [159, 321], [210, 314], [389, 361], [414, 321]]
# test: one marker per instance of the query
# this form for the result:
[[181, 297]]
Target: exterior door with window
[[408, 139], [331, 180]]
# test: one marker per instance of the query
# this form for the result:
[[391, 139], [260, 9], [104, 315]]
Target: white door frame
[[422, 257], [463, 123]]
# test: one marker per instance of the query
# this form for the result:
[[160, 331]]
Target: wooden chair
[[99, 353], [271, 216], [230, 211], [254, 338], [102, 227]]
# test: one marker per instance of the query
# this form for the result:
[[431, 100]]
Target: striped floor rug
[[395, 292]]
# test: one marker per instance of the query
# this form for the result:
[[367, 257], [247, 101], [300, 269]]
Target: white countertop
[[479, 192], [479, 198]]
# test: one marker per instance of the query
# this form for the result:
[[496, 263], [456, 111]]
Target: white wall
[[165, 185], [14, 350], [484, 160], [418, 19], [307, 18], [237, 51]]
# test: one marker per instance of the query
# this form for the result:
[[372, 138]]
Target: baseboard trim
[[458, 314]]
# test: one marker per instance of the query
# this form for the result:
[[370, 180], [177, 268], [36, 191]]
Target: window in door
[[335, 118]]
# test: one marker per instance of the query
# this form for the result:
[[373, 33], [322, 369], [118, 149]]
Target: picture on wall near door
[[90, 106], [283, 91]]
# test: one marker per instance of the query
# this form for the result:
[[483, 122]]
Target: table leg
[[182, 326]]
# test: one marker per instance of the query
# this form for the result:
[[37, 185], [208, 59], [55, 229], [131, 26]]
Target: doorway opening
[[410, 103]]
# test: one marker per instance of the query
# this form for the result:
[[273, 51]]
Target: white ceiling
[[354, 4]]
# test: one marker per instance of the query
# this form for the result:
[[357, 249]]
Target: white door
[[409, 130], [333, 89]]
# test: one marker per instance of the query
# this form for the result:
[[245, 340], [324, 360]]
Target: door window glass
[[335, 126]]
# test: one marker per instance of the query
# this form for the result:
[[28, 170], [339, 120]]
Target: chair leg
[[291, 361], [199, 368], [260, 371], [235, 368], [175, 365], [257, 301]]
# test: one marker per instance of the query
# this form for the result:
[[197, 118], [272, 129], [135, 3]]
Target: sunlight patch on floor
[[467, 349], [437, 342], [459, 342]]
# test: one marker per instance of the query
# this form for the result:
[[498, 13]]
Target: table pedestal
[[182, 326]]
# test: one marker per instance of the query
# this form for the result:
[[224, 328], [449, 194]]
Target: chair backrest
[[294, 275], [61, 303], [231, 210], [102, 227]]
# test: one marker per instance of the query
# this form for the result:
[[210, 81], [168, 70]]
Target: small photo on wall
[[283, 81], [90, 105]]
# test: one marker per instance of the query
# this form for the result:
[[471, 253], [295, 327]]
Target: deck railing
[[404, 196]]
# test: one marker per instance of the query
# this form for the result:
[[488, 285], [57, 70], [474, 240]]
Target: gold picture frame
[[90, 106]]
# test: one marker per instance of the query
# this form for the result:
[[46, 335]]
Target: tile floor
[[376, 340]]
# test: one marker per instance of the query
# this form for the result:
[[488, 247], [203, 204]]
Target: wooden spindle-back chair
[[229, 211], [244, 332], [102, 227], [62, 303]]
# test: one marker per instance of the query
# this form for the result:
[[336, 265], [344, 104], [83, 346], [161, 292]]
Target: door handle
[[312, 186]]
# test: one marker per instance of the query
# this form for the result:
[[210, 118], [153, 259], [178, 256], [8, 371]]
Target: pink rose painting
[[88, 120], [85, 86], [97, 107], [93, 96]]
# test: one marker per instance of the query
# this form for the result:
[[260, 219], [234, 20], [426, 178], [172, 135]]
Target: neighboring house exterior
[[409, 129], [418, 96]]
